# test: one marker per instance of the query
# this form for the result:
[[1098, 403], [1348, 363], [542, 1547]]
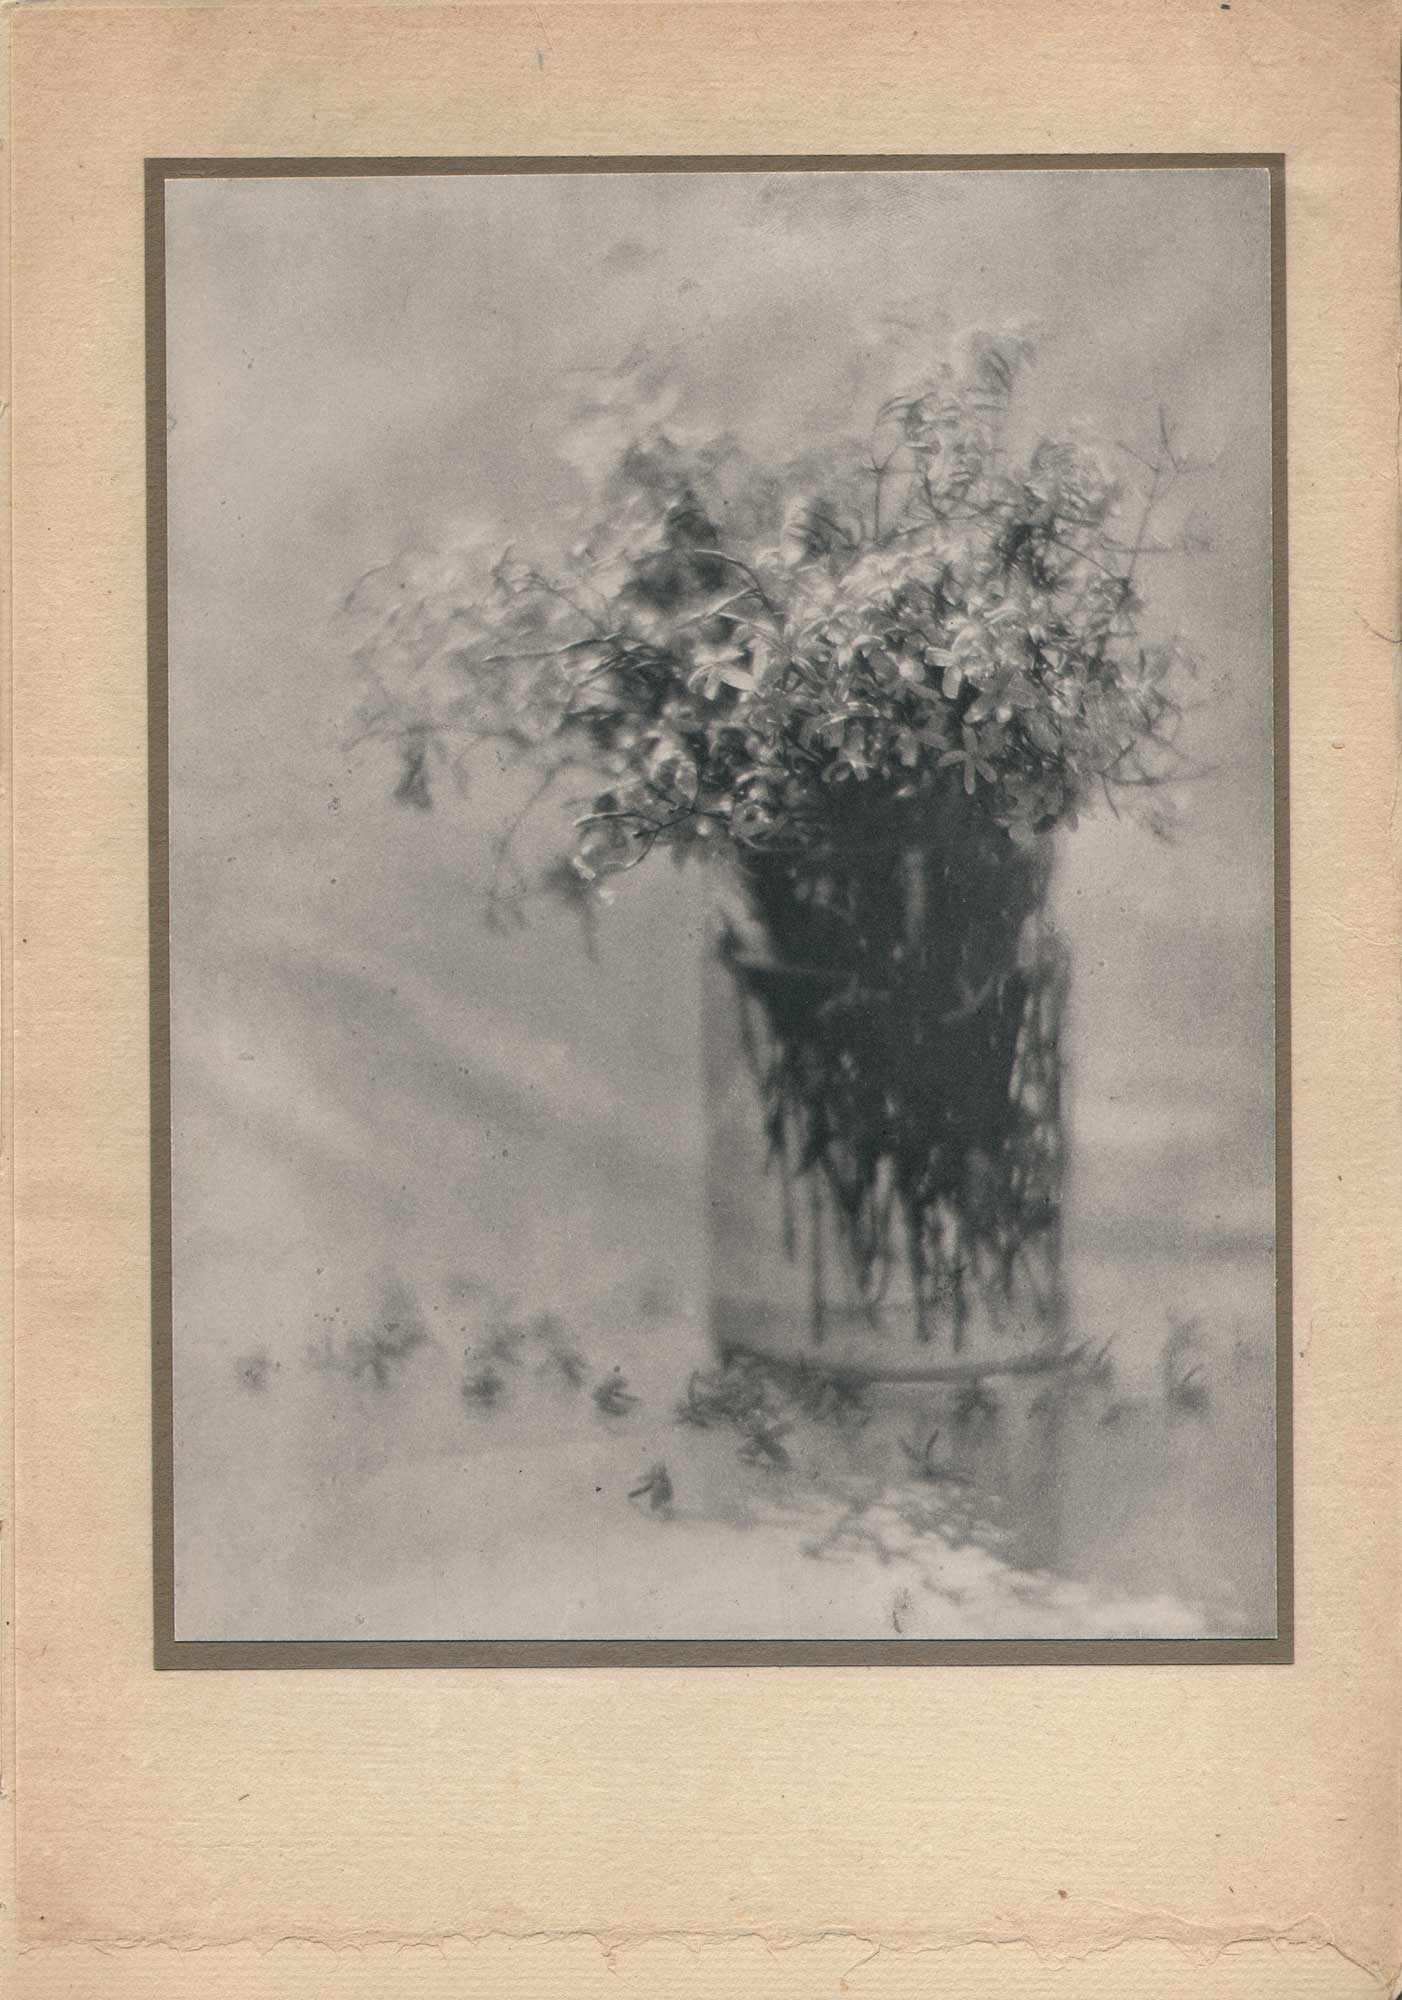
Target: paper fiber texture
[[1230, 1830]]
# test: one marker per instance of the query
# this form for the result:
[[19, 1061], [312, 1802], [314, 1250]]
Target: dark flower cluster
[[725, 653]]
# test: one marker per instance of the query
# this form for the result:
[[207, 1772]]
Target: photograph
[[717, 812]]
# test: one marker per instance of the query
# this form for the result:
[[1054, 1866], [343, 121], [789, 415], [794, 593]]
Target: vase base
[[861, 1354]]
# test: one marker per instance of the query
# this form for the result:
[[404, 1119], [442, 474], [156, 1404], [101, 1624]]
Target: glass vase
[[882, 1020]]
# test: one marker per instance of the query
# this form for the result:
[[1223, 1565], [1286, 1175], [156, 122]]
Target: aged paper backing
[[1080, 1830]]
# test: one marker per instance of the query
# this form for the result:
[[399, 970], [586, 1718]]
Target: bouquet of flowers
[[876, 682]]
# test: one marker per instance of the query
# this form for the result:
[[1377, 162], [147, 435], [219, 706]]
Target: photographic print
[[717, 935]]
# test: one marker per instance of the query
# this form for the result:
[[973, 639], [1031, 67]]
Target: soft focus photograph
[[722, 887]]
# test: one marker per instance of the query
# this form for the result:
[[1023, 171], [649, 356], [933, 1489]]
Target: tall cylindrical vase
[[882, 1023]]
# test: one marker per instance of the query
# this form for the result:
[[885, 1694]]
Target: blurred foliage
[[727, 648], [379, 1353]]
